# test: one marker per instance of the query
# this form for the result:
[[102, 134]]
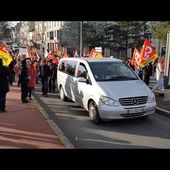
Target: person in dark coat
[[53, 77], [24, 79], [11, 71], [4, 85], [44, 74], [147, 73]]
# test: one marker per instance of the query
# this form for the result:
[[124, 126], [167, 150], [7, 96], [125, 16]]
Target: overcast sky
[[13, 23]]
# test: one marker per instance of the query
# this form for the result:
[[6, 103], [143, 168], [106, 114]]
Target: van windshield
[[112, 71]]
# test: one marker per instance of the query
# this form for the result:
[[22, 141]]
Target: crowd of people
[[27, 72], [155, 68]]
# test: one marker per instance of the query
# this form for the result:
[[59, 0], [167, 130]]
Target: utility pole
[[167, 62], [81, 38]]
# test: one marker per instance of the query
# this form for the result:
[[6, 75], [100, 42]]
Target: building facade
[[39, 34], [26, 32], [52, 34]]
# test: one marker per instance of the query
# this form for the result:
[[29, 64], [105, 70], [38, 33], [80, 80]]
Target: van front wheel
[[93, 113], [62, 94]]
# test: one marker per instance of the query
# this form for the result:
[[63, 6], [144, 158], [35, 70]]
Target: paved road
[[153, 132]]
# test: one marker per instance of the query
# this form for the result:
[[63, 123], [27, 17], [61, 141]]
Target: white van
[[106, 88]]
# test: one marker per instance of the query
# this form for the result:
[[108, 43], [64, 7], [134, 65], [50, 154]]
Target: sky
[[13, 23]]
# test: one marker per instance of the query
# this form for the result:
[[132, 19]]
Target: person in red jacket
[[32, 73]]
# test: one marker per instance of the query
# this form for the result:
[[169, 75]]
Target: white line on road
[[103, 141]]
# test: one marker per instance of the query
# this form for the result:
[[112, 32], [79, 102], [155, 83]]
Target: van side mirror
[[82, 79]]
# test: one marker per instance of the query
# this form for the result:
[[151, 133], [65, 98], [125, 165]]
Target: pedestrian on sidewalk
[[24, 78], [53, 76], [44, 74], [11, 71], [32, 73], [159, 75], [4, 85], [17, 70]]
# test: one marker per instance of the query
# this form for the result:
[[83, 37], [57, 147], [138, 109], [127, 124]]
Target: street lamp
[[167, 63], [81, 38]]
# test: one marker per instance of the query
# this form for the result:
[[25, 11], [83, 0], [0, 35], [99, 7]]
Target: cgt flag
[[148, 53], [5, 55], [136, 59]]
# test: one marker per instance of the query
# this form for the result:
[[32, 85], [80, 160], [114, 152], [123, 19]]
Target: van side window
[[71, 67], [82, 71]]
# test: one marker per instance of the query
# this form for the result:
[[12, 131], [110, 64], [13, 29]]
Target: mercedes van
[[106, 88]]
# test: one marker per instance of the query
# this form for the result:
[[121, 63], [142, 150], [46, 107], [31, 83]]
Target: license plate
[[135, 110]]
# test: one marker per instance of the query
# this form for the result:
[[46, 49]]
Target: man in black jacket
[[24, 78], [4, 85], [44, 74]]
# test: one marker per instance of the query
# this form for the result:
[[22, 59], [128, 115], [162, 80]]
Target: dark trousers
[[11, 78], [24, 92], [30, 91], [44, 82], [147, 79], [19, 81], [2, 101], [52, 85]]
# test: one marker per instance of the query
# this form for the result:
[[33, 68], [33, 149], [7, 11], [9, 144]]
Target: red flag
[[3, 47], [53, 57], [148, 53], [136, 59]]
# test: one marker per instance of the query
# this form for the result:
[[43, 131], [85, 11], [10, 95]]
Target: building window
[[55, 33], [51, 35]]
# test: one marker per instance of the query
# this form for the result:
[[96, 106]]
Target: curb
[[163, 112], [54, 126]]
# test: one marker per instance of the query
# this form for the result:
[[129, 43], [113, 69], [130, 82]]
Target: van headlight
[[151, 99], [108, 101]]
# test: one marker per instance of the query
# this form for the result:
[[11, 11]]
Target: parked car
[[106, 88]]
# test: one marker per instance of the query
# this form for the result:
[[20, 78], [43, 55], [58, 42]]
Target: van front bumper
[[120, 112]]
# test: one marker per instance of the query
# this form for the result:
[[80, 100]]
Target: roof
[[104, 59]]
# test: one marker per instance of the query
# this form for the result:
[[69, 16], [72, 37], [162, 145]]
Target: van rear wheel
[[62, 94], [93, 113]]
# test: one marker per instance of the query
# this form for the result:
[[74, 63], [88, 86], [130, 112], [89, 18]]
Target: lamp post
[[81, 37], [167, 63]]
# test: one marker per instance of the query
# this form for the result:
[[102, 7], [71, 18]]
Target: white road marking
[[103, 141]]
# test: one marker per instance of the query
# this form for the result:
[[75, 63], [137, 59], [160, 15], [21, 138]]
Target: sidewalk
[[163, 107], [23, 125]]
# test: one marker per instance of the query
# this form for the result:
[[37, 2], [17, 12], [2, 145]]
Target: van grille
[[133, 115], [131, 101]]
